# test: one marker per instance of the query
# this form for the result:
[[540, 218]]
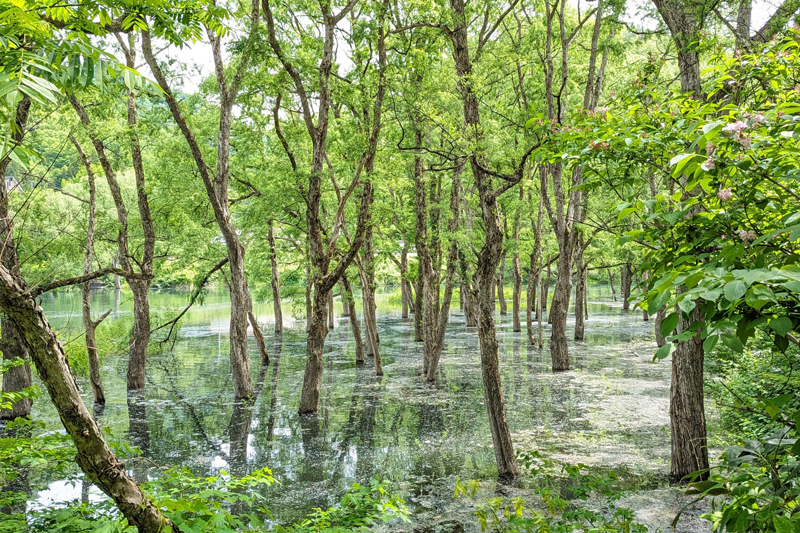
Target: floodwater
[[610, 411]]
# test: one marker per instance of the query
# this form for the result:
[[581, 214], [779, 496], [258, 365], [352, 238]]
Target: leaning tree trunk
[[93, 454], [17, 377], [276, 285]]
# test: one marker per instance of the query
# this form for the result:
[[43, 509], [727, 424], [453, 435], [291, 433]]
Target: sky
[[198, 58]]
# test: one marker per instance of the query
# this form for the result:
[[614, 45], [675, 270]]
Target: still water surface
[[611, 410]]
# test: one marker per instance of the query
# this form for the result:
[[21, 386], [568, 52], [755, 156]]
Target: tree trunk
[[686, 410], [626, 280], [645, 314], [309, 289], [276, 286], [500, 281], [418, 305], [517, 295], [558, 311], [93, 454], [315, 346], [241, 306], [331, 324], [489, 256], [17, 377], [347, 297], [90, 325], [405, 297], [140, 336], [545, 292], [660, 316], [580, 287], [611, 283], [259, 336]]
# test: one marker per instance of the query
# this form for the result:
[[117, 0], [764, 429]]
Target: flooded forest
[[400, 266]]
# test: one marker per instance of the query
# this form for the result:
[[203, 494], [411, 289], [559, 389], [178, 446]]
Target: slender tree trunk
[[645, 314], [546, 292], [276, 286], [405, 297], [500, 281], [17, 377], [517, 295], [330, 312], [309, 289], [90, 325], [660, 316], [488, 258], [626, 280], [540, 301], [580, 286], [611, 283], [259, 336], [418, 305], [347, 297]]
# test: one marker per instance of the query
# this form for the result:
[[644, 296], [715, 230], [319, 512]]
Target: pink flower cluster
[[709, 164], [737, 130], [747, 235], [725, 194], [599, 145]]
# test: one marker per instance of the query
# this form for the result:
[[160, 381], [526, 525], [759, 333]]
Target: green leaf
[[669, 324], [732, 342], [781, 325], [782, 525], [710, 343], [663, 352], [734, 290]]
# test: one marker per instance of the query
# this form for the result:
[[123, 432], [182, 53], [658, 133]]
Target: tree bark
[[499, 282], [687, 410], [626, 280], [660, 316], [347, 296], [405, 297], [275, 282], [580, 287], [611, 284], [558, 310], [16, 378]]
